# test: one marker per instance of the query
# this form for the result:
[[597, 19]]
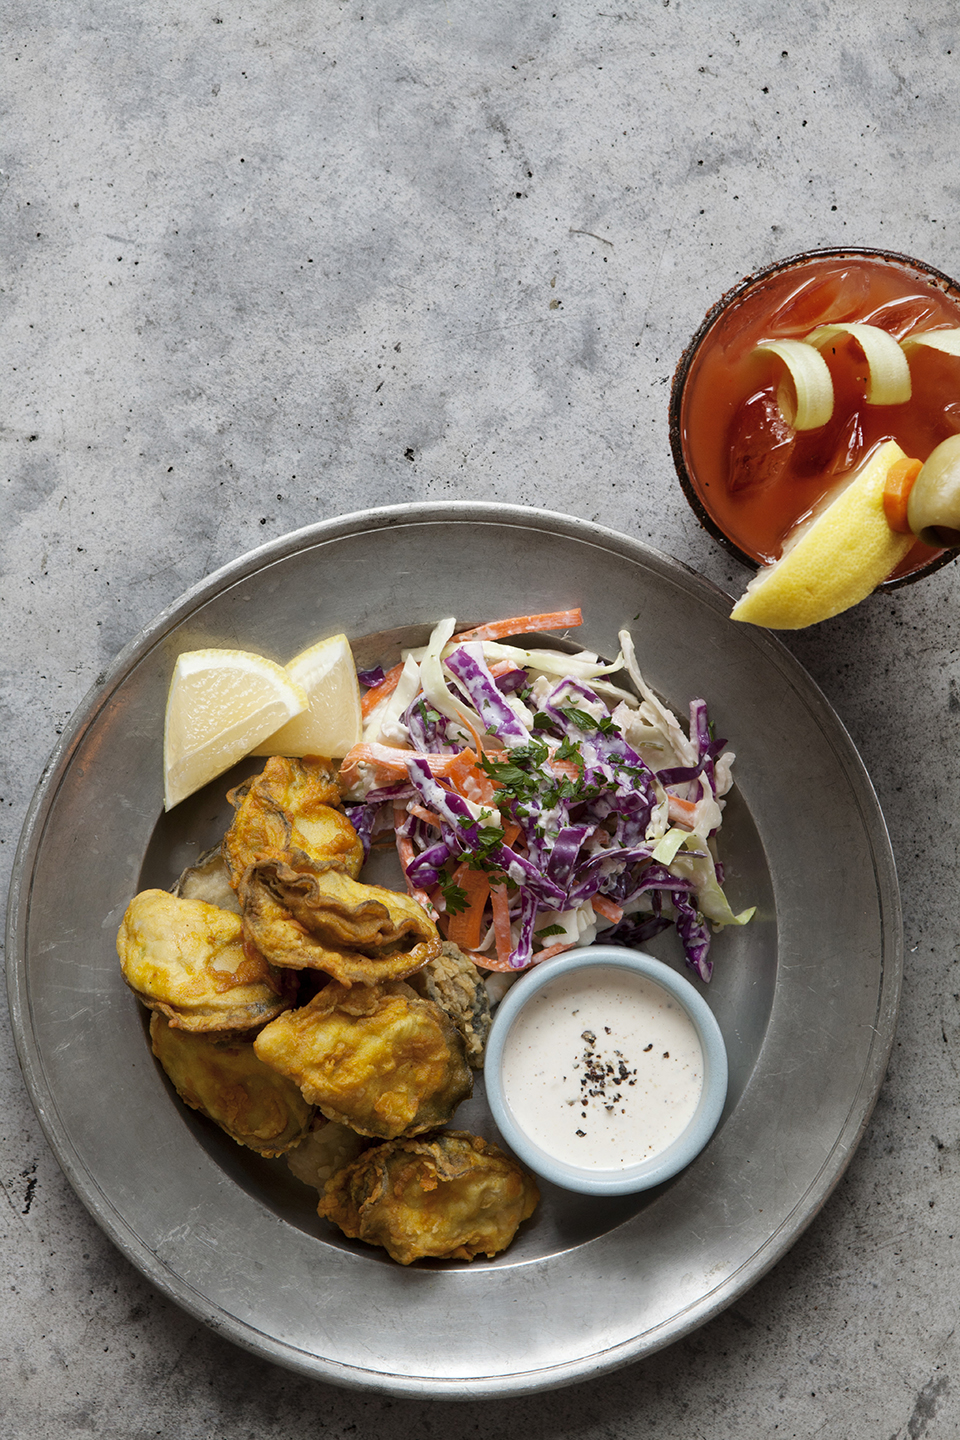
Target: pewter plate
[[806, 995]]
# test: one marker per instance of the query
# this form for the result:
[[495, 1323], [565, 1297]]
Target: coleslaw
[[534, 802]]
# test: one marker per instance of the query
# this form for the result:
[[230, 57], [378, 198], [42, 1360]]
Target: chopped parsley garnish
[[580, 718], [520, 776], [569, 750], [428, 716], [454, 897], [489, 838]]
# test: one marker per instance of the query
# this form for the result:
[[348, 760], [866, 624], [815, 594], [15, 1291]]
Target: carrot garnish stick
[[896, 493], [523, 625]]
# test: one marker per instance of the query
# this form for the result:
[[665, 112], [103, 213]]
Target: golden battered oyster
[[333, 923], [221, 1076], [452, 981], [188, 960], [289, 813], [444, 1197], [374, 1057], [327, 1148], [208, 879]]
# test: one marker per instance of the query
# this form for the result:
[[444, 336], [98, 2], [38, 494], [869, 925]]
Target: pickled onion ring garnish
[[806, 400], [888, 381], [948, 341]]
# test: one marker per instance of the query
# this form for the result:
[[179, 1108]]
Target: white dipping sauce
[[603, 1068]]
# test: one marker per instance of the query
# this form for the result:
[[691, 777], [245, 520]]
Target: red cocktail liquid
[[753, 474]]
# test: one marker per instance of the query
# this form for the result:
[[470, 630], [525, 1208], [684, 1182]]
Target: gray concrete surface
[[267, 263]]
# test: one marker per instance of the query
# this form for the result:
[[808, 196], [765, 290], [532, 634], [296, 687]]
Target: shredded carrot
[[388, 763], [901, 478], [406, 852], [380, 692], [681, 812], [427, 816], [501, 667], [380, 757], [466, 929], [492, 962], [500, 905], [607, 908], [469, 780], [551, 950], [568, 768], [477, 742], [524, 625]]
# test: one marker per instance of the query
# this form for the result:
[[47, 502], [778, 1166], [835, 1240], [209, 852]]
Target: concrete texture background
[[264, 264]]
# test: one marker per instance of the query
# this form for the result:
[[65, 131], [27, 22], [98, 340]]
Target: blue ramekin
[[688, 1144]]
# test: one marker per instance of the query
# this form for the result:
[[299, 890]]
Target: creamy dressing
[[602, 1068]]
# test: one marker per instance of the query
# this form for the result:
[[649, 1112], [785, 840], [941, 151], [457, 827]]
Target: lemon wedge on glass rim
[[332, 723], [221, 703], [833, 561]]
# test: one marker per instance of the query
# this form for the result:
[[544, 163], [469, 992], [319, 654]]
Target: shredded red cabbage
[[578, 796]]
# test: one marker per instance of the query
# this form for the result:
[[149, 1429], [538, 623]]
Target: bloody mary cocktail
[[749, 474]]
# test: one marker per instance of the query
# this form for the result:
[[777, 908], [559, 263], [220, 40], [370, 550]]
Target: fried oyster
[[374, 1057], [289, 813], [451, 1196], [221, 1076], [208, 879], [327, 1148], [293, 859], [452, 981], [331, 922], [188, 959]]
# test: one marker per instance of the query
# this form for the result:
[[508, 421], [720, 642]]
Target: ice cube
[[848, 447], [834, 450], [902, 316], [825, 299], [760, 442]]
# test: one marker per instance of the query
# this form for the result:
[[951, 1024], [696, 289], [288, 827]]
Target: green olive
[[933, 510]]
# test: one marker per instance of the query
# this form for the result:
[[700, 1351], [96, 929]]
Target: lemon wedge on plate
[[332, 722], [221, 703], [833, 561]]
